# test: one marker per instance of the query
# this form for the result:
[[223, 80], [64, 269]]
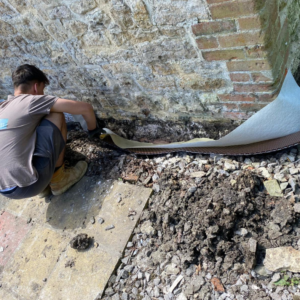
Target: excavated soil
[[213, 229]]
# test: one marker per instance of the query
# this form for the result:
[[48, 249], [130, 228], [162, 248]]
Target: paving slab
[[42, 265], [12, 231], [78, 205], [25, 274], [92, 268], [86, 279]]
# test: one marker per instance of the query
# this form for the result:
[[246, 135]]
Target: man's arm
[[76, 108]]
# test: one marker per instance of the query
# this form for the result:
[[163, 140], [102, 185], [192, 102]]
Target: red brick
[[253, 88], [240, 77], [12, 232], [229, 107], [236, 98], [235, 115], [233, 9], [267, 97], [241, 39], [223, 55], [259, 77], [249, 65], [257, 52], [251, 106], [250, 23], [207, 43], [205, 28]]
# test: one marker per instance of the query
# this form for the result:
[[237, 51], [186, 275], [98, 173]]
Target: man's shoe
[[64, 178], [45, 193]]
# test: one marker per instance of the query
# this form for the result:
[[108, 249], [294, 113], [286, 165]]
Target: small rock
[[198, 174], [182, 297], [297, 207], [275, 277], [282, 258], [156, 292], [262, 271], [293, 171], [293, 184], [284, 185], [45, 279], [1, 249], [147, 228], [172, 269], [273, 188], [29, 220], [125, 296], [156, 187], [93, 220], [109, 227], [115, 297], [156, 281], [100, 221], [252, 245], [242, 232], [218, 286]]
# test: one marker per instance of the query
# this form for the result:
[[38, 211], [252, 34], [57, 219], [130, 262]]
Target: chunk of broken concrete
[[282, 258], [147, 228], [198, 174], [273, 188]]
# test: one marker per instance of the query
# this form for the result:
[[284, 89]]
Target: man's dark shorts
[[49, 144]]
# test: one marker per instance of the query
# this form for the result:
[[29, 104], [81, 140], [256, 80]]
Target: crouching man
[[33, 135]]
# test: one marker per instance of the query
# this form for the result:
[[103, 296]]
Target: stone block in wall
[[6, 29], [197, 82], [141, 16], [213, 27], [233, 9], [57, 31], [59, 12], [250, 23], [82, 6], [249, 65], [223, 54], [5, 11], [31, 28], [241, 39], [240, 77], [77, 28]]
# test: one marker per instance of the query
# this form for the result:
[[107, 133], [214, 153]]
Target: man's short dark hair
[[26, 74]]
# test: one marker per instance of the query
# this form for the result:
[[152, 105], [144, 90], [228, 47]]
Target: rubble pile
[[209, 223]]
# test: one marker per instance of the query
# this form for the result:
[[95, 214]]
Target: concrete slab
[[122, 215], [85, 280], [7, 296], [24, 275], [76, 207], [92, 268], [12, 231], [43, 265]]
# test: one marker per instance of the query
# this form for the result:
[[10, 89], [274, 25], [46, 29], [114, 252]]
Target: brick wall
[[253, 40]]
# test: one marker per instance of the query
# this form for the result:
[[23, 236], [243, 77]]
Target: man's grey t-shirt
[[19, 118]]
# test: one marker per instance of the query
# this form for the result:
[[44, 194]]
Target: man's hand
[[99, 129], [77, 108]]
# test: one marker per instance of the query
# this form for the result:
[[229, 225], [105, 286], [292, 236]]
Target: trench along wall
[[169, 60]]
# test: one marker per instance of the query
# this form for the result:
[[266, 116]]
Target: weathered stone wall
[[151, 59]]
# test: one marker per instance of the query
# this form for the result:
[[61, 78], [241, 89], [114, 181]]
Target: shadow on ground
[[79, 205]]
